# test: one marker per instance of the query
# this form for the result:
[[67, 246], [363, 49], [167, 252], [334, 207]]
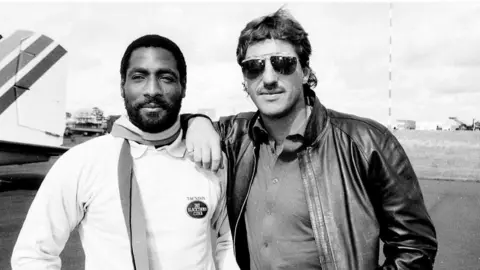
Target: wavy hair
[[282, 26]]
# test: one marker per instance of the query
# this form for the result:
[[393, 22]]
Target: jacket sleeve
[[405, 226], [224, 256], [222, 126], [52, 216]]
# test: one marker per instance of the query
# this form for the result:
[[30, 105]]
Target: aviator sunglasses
[[285, 65]]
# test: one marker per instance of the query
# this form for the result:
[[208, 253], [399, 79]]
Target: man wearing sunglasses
[[309, 187]]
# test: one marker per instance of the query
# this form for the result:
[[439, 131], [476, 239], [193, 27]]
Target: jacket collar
[[316, 123]]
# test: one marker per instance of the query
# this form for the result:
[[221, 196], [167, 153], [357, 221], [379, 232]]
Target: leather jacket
[[360, 188]]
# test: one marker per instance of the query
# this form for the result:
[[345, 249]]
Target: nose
[[153, 87], [270, 76]]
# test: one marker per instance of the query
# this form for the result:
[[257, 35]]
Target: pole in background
[[390, 13]]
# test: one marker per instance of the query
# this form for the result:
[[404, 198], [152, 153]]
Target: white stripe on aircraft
[[21, 46], [28, 67]]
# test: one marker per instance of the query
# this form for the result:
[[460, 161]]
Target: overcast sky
[[436, 52]]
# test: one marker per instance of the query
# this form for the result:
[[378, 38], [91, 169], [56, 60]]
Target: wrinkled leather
[[360, 187]]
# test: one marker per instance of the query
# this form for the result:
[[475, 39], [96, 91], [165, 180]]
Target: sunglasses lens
[[253, 68], [285, 65]]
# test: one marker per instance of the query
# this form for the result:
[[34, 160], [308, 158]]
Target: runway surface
[[453, 205]]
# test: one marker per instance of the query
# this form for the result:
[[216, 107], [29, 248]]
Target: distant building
[[405, 125], [450, 124], [428, 125], [86, 122]]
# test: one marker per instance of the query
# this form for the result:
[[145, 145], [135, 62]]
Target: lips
[[152, 106], [271, 93], [271, 96]]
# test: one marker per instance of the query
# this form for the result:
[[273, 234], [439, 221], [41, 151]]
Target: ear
[[184, 91], [306, 75], [183, 85], [122, 89]]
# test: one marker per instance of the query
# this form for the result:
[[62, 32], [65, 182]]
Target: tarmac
[[453, 205]]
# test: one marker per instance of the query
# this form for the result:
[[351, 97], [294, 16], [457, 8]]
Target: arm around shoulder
[[223, 126], [205, 139]]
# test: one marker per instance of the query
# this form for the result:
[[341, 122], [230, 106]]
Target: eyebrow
[[263, 56], [158, 71]]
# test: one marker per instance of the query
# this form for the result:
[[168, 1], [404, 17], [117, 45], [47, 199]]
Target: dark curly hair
[[155, 41]]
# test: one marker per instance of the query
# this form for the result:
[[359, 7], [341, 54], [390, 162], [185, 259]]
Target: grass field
[[434, 154], [443, 154]]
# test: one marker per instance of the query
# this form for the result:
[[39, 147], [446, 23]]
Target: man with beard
[[138, 201]]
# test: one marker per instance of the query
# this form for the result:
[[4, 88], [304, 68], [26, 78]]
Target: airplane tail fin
[[32, 89]]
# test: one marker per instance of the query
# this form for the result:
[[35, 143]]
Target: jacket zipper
[[246, 198], [326, 240]]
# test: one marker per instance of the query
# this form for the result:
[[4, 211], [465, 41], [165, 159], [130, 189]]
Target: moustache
[[153, 102]]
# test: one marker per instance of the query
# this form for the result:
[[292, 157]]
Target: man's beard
[[154, 122]]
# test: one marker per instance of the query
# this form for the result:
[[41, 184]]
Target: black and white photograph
[[239, 135]]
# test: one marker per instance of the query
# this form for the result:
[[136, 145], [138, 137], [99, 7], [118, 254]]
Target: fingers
[[189, 146], [189, 155], [206, 157], [200, 155], [216, 153], [203, 145], [197, 156]]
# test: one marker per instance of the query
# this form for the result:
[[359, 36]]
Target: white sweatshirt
[[82, 189]]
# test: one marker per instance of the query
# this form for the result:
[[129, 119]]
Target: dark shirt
[[279, 231]]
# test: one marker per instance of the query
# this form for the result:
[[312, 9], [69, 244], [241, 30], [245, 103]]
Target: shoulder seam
[[356, 119], [363, 152]]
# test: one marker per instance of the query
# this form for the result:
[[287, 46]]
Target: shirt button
[[275, 180]]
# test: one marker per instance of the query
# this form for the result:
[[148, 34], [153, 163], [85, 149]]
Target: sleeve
[[405, 226], [52, 216], [222, 126], [224, 254], [185, 117]]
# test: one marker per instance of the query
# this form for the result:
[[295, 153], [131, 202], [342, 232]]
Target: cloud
[[461, 82], [215, 86], [435, 51], [442, 34]]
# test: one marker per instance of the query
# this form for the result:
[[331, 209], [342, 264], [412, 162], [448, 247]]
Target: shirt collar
[[299, 125], [176, 149]]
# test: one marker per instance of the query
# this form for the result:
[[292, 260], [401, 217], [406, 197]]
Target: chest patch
[[197, 209]]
